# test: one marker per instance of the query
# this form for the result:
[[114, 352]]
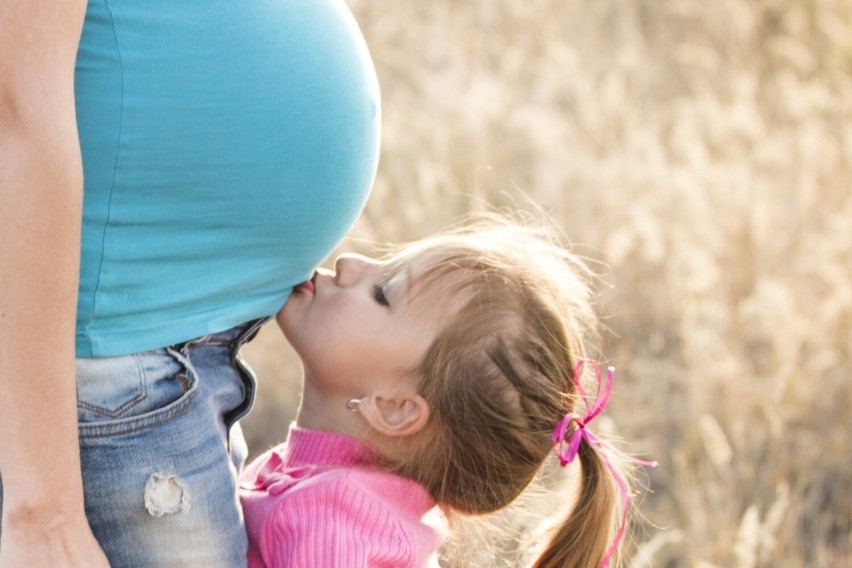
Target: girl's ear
[[397, 415]]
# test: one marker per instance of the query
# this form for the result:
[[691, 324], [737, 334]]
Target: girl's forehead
[[419, 257], [437, 293], [414, 270]]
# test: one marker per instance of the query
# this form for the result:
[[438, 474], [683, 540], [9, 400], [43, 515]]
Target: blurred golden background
[[702, 151]]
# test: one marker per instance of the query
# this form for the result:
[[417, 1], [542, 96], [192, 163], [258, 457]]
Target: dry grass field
[[701, 151]]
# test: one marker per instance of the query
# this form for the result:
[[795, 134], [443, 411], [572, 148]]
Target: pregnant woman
[[207, 155]]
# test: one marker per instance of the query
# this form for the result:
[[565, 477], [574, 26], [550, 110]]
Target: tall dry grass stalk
[[703, 152]]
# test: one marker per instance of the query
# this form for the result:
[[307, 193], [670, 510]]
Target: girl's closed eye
[[379, 295]]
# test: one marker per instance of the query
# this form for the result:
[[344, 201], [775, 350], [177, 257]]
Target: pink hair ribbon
[[567, 449]]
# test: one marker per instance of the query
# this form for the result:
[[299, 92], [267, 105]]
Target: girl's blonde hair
[[499, 377]]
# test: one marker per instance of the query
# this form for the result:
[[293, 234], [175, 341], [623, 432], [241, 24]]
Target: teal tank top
[[227, 149]]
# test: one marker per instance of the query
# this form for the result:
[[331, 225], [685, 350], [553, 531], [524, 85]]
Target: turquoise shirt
[[227, 149]]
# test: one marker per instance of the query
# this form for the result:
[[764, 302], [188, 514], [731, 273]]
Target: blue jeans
[[161, 449]]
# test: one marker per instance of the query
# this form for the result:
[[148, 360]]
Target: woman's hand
[[60, 543]]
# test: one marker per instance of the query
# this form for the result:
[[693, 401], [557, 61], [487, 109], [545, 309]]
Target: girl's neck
[[327, 412]]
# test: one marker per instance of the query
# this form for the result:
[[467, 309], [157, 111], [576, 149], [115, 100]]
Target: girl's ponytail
[[584, 538]]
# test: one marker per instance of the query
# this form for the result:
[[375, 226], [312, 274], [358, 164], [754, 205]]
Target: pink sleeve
[[335, 525]]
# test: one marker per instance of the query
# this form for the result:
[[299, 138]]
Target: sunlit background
[[700, 150]]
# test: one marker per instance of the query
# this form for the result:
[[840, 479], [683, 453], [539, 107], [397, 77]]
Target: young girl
[[446, 374]]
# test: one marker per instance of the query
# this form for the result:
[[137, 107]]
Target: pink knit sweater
[[317, 502]]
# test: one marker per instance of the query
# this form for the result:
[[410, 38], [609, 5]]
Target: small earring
[[353, 404]]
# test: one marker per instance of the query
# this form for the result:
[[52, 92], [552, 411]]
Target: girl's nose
[[350, 268]]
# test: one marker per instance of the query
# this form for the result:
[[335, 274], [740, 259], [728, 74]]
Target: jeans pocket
[[117, 395]]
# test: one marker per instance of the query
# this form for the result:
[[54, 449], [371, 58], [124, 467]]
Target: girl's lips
[[308, 285]]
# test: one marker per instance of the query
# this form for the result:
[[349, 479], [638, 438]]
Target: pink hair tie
[[567, 449]]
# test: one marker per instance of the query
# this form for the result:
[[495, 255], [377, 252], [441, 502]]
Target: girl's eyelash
[[379, 295]]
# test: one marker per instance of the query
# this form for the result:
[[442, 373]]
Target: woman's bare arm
[[41, 190]]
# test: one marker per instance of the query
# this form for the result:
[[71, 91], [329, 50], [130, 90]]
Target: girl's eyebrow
[[396, 282]]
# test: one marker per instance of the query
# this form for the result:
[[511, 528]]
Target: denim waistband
[[234, 337]]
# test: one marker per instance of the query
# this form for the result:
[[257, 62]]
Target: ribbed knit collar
[[312, 447]]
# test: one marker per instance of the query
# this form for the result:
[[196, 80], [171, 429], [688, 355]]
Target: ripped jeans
[[161, 449]]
